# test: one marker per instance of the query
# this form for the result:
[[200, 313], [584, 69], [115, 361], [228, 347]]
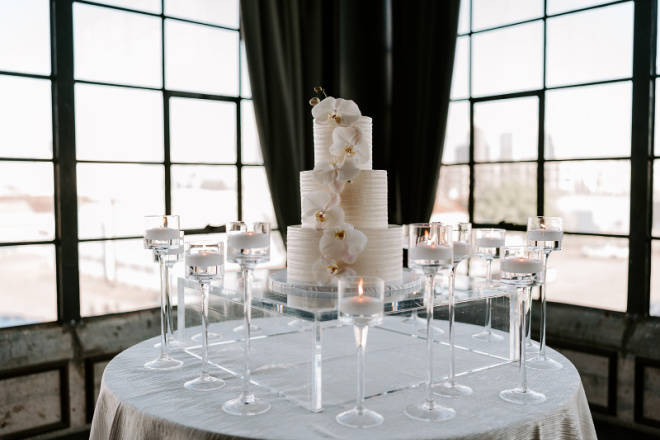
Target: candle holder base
[[487, 336], [520, 397], [164, 362], [429, 412], [447, 389], [245, 406], [539, 362], [355, 418], [204, 383]]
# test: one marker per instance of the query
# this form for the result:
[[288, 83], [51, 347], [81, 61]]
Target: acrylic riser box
[[302, 353]]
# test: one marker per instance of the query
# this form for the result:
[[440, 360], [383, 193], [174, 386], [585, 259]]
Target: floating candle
[[461, 250], [247, 240], [521, 265], [361, 305], [161, 234], [544, 235], [430, 252], [488, 242], [204, 259]]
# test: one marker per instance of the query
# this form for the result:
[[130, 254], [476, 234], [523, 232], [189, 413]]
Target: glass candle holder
[[486, 244]]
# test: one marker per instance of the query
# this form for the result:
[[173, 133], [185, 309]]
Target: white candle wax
[[461, 250], [488, 242], [247, 240], [521, 265], [161, 234], [361, 305], [204, 259], [545, 235], [430, 252]]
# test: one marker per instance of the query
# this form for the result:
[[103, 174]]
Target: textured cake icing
[[344, 228]]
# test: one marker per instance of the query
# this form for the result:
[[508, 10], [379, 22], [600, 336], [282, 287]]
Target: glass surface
[[201, 59], [28, 302], [26, 129], [451, 199], [220, 12], [656, 138], [655, 278], [118, 276], [656, 198], [202, 131], [491, 13], [464, 17], [153, 6], [250, 143], [257, 202], [113, 198], [460, 87], [591, 196], [508, 60], [246, 89], [506, 130], [25, 36], [504, 192], [27, 209], [593, 121], [192, 185], [558, 6], [116, 47], [602, 278], [118, 123], [589, 46], [457, 137]]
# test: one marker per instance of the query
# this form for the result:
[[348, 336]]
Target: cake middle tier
[[382, 257], [364, 199]]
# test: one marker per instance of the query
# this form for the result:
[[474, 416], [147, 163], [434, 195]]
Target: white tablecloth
[[136, 403]]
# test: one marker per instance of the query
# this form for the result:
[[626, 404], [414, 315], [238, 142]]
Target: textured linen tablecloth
[[136, 403]]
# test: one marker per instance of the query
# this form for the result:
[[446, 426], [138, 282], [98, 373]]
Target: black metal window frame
[[64, 159], [642, 132]]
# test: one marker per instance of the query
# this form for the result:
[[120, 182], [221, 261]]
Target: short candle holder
[[361, 304]]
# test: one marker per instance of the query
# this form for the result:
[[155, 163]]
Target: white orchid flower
[[336, 174], [338, 112], [348, 142], [327, 271], [321, 210], [342, 242]]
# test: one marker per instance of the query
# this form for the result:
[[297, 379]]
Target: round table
[[138, 403]]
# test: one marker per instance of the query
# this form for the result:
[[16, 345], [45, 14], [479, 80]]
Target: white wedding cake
[[344, 228]]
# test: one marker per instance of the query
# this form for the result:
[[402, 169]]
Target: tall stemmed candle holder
[[162, 235], [522, 266], [204, 263], [486, 244], [547, 233], [462, 251], [430, 250], [414, 318], [360, 304], [171, 257], [248, 244]]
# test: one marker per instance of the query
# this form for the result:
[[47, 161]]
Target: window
[[163, 123], [540, 123]]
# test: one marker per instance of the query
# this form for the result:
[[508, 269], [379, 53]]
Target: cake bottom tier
[[382, 256]]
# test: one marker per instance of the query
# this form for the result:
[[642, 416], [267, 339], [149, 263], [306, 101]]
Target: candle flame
[[360, 291]]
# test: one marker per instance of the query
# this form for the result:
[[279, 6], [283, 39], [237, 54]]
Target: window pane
[[508, 60], [193, 185], [590, 46], [119, 276], [25, 118], [506, 129], [591, 196], [655, 278], [504, 193], [459, 82], [100, 110], [590, 121], [464, 17], [140, 5], [250, 143], [257, 203], [246, 90], [557, 6], [28, 302], [116, 46], [491, 13], [457, 138], [451, 200], [25, 36], [220, 12], [201, 59], [108, 205], [656, 198], [202, 130], [27, 210]]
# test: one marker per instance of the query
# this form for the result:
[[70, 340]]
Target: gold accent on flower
[[349, 150], [340, 234], [336, 116], [320, 216], [333, 268]]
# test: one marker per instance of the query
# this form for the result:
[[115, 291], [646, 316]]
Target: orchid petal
[[337, 186], [348, 170], [322, 269], [321, 110]]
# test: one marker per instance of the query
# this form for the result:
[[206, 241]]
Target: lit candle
[[430, 252], [488, 242], [247, 240], [521, 265], [161, 234], [461, 250], [545, 235], [361, 305], [204, 259]]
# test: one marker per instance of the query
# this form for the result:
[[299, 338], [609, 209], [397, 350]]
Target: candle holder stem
[[361, 332], [523, 293], [487, 334]]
